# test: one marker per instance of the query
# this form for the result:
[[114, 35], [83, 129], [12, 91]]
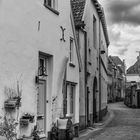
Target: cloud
[[124, 42], [123, 23], [123, 11], [122, 51], [114, 34]]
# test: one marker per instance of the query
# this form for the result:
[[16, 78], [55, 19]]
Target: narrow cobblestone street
[[124, 126]]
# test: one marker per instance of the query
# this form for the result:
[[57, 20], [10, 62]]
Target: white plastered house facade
[[90, 34], [38, 46]]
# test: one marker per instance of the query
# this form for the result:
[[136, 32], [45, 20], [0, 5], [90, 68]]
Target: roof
[[78, 7], [78, 10], [76, 43], [134, 69], [118, 62]]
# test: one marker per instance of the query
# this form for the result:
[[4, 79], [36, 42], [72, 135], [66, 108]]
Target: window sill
[[71, 64], [51, 9]]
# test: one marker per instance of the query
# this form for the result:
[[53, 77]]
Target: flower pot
[[24, 122]]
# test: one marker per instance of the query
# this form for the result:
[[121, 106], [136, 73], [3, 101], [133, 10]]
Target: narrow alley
[[124, 126]]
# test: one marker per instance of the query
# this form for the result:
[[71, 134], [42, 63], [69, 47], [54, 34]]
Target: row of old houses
[[116, 79], [132, 96], [54, 64]]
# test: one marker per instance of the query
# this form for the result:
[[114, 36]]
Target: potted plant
[[38, 134], [8, 128], [12, 103], [14, 97], [29, 117], [26, 119]]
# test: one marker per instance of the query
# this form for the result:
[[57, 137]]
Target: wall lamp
[[102, 51]]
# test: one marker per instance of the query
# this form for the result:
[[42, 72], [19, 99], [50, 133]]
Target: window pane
[[41, 66], [71, 99], [49, 3], [54, 4], [71, 50]]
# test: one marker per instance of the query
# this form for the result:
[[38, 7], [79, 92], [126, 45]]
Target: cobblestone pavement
[[124, 126]]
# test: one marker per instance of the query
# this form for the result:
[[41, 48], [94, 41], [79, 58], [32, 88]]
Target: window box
[[12, 103], [24, 122], [26, 119], [40, 117], [29, 117]]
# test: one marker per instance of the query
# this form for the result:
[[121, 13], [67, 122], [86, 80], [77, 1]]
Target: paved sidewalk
[[97, 128]]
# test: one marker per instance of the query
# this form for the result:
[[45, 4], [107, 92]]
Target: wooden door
[[42, 106]]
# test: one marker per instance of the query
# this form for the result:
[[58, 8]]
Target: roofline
[[76, 42], [101, 14]]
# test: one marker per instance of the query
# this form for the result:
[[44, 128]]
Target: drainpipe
[[100, 114], [85, 62]]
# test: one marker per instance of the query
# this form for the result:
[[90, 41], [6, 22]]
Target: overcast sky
[[123, 22]]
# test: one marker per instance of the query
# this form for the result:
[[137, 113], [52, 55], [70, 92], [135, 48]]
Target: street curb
[[91, 133], [111, 116]]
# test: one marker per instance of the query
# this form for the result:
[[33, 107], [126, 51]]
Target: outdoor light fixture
[[102, 51], [42, 71]]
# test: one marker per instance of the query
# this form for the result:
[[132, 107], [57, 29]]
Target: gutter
[[101, 14]]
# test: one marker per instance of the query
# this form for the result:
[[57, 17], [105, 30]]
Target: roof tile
[[78, 10]]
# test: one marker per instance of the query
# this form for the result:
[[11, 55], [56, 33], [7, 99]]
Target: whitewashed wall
[[21, 39]]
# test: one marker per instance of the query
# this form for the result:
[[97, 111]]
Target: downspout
[[100, 114], [85, 70]]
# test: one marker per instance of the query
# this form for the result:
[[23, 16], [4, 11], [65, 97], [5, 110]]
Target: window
[[42, 66], [94, 31], [89, 61], [52, 5], [71, 50], [70, 98]]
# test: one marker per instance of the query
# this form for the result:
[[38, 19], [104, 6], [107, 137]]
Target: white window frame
[[53, 4], [71, 88]]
